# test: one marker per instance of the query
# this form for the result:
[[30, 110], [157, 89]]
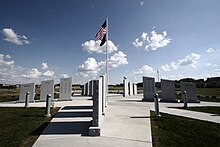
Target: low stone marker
[[95, 129], [148, 89], [27, 100], [48, 103], [125, 82], [156, 105], [29, 87], [130, 85], [135, 89], [47, 87], [184, 99], [190, 89], [168, 91], [65, 89]]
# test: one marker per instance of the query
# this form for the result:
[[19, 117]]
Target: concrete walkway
[[125, 124]]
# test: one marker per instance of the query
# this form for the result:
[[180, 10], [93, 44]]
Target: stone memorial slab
[[87, 89], [47, 87], [190, 89], [135, 89], [91, 88], [65, 88], [95, 129], [130, 85], [168, 91], [125, 82], [148, 89], [29, 87]]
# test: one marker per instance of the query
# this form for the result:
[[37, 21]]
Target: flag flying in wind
[[101, 35]]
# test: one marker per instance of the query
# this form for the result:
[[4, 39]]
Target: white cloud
[[117, 59], [8, 56], [44, 66], [144, 36], [64, 76], [12, 37], [141, 3], [157, 41], [152, 41], [137, 43], [94, 46], [210, 50], [145, 70], [32, 73], [48, 73], [190, 60], [170, 66], [90, 67]]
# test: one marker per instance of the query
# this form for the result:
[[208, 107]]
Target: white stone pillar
[[125, 82], [135, 89]]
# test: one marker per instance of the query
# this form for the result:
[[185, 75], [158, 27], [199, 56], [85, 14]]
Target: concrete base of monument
[[147, 100], [94, 131], [64, 99], [169, 101], [23, 101], [191, 101]]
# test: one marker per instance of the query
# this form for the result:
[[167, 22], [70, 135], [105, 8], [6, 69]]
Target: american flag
[[102, 31]]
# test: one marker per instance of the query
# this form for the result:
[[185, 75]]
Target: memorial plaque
[[47, 87], [65, 88], [148, 89], [29, 87]]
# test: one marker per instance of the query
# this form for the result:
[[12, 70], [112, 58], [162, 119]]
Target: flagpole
[[107, 76]]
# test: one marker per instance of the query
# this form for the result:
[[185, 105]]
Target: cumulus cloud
[[209, 50], [144, 70], [32, 73], [152, 41], [48, 73], [157, 41], [94, 46], [12, 37], [137, 43], [170, 66], [190, 60], [117, 59], [90, 67], [64, 76], [44, 66], [12, 73]]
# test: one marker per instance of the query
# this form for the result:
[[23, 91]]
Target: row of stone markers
[[168, 90], [96, 89], [129, 88], [47, 87]]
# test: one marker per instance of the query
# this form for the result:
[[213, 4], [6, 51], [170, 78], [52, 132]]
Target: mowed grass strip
[[170, 130], [22, 126], [206, 109]]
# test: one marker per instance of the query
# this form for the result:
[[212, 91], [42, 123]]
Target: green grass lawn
[[206, 109], [169, 130], [22, 126]]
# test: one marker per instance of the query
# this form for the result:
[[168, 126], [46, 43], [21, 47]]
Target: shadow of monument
[[78, 125]]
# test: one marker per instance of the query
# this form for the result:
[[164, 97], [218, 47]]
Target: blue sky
[[48, 39]]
